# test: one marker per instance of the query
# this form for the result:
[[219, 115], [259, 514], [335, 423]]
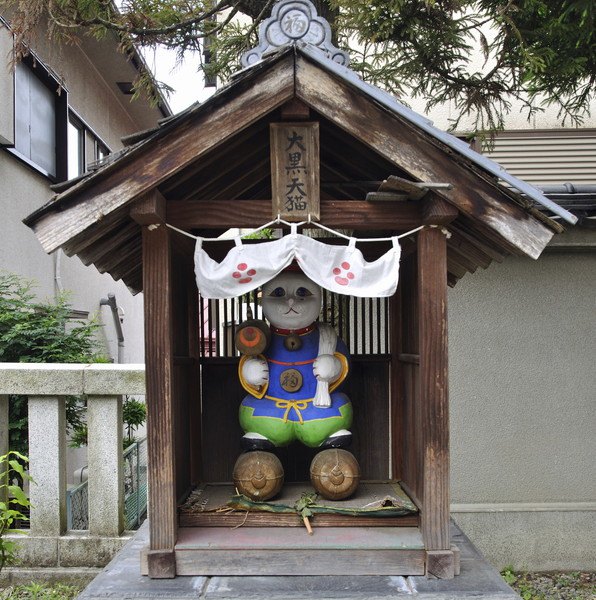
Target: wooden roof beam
[[113, 241], [149, 210], [231, 169], [455, 256], [436, 211], [459, 228], [205, 167], [424, 159], [325, 169], [294, 110], [398, 188], [93, 234], [340, 214], [129, 267], [164, 156], [467, 248], [353, 153], [236, 186], [455, 268], [118, 255]]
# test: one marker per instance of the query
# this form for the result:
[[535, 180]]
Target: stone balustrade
[[48, 542]]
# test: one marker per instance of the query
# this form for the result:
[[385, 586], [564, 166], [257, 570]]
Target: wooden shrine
[[383, 171]]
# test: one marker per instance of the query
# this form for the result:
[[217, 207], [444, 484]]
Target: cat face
[[291, 301]]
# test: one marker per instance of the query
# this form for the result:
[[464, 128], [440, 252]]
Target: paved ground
[[121, 579]]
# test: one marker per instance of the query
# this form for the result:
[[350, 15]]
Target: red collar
[[302, 331]]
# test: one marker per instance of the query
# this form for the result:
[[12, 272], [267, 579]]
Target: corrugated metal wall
[[547, 157]]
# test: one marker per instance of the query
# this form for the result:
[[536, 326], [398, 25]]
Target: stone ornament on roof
[[294, 21]]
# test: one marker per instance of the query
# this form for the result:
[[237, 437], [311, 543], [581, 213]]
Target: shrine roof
[[498, 210], [375, 93]]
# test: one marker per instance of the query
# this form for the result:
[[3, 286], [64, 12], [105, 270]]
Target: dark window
[[40, 119]]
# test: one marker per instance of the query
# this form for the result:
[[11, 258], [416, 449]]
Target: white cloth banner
[[340, 269]]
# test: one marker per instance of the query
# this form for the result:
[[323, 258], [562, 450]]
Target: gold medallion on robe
[[291, 380]]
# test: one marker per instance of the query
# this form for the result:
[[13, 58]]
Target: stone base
[[73, 550], [122, 579], [80, 576], [538, 537]]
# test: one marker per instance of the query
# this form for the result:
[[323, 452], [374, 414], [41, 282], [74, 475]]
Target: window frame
[[79, 125], [91, 137], [44, 75]]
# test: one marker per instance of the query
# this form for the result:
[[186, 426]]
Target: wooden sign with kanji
[[295, 179]]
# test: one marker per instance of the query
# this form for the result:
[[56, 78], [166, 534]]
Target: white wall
[[523, 420], [517, 118], [23, 190]]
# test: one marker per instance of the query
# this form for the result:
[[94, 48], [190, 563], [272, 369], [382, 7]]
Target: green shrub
[[32, 331], [134, 414], [12, 500]]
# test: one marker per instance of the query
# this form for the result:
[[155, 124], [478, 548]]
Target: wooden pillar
[[194, 407], [407, 432], [159, 358], [396, 386], [432, 302]]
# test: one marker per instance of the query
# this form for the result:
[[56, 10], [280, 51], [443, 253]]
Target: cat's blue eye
[[278, 292], [302, 292]]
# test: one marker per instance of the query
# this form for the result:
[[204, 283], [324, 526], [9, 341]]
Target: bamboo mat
[[373, 504]]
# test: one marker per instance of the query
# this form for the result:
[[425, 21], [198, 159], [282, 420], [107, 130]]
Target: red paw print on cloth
[[345, 266], [242, 275]]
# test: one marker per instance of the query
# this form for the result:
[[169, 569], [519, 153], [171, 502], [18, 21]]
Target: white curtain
[[340, 269]]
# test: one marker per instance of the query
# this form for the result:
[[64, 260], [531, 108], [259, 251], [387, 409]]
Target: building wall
[[543, 157], [23, 190], [522, 377], [522, 392], [91, 96]]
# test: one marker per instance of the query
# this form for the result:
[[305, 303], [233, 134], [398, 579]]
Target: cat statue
[[293, 386]]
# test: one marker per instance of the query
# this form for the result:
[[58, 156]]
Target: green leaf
[[8, 546], [32, 331], [17, 467], [304, 502], [18, 495]]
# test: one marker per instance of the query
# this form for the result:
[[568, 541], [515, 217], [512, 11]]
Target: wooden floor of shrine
[[215, 539], [291, 551]]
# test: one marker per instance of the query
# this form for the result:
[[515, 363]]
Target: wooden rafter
[[154, 163], [402, 144]]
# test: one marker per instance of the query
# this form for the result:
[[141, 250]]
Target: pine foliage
[[34, 332], [537, 52]]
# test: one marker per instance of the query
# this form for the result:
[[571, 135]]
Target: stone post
[[3, 441], [47, 462], [106, 481]]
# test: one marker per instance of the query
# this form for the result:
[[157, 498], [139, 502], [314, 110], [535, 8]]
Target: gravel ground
[[552, 586]]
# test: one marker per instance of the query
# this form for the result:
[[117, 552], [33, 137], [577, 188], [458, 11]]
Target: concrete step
[[122, 579]]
